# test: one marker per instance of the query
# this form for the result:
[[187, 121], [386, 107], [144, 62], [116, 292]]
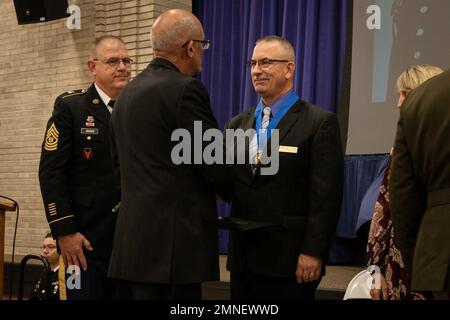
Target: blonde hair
[[414, 76]]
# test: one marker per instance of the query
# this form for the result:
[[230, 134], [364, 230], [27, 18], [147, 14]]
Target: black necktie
[[111, 103]]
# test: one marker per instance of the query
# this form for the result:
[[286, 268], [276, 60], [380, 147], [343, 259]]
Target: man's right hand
[[71, 247]]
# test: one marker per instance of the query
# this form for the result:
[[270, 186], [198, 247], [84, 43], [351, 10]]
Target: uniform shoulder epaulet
[[73, 93]]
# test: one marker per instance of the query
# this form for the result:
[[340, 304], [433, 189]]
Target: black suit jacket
[[420, 184], [166, 229], [301, 202], [75, 171]]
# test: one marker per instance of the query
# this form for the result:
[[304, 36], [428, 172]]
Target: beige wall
[[37, 63]]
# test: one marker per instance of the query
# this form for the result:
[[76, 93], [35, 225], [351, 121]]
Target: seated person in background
[[50, 253], [381, 249]]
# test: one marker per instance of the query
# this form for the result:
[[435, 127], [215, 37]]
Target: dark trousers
[[448, 281], [93, 283], [246, 286], [128, 290]]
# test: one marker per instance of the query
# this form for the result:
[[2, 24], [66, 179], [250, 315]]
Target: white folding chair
[[359, 286]]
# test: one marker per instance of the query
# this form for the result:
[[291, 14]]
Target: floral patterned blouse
[[381, 248]]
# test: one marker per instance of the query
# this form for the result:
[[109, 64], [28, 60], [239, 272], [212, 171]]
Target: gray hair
[[183, 29], [285, 44], [99, 40]]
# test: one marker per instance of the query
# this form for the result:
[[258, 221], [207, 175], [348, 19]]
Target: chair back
[[359, 286]]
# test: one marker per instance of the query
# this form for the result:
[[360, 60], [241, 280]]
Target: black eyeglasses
[[263, 63], [50, 247], [115, 62], [205, 43]]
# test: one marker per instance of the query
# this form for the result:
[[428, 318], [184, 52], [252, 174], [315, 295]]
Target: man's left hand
[[309, 268]]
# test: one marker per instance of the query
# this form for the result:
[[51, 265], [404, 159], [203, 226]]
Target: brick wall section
[[132, 20], [37, 63]]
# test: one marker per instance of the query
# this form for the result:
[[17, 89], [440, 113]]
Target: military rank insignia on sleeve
[[51, 138], [52, 209]]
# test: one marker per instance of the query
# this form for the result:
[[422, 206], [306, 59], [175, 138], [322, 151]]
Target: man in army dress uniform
[[75, 171]]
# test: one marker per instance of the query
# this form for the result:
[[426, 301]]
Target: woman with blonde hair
[[412, 78], [381, 249]]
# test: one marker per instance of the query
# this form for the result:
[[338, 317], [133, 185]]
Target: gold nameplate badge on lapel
[[287, 149]]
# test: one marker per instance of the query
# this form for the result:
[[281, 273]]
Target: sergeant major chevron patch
[[51, 138]]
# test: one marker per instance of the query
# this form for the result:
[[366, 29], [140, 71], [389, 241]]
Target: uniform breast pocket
[[293, 156], [293, 161]]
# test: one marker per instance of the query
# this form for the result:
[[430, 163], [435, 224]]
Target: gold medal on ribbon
[[257, 158]]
